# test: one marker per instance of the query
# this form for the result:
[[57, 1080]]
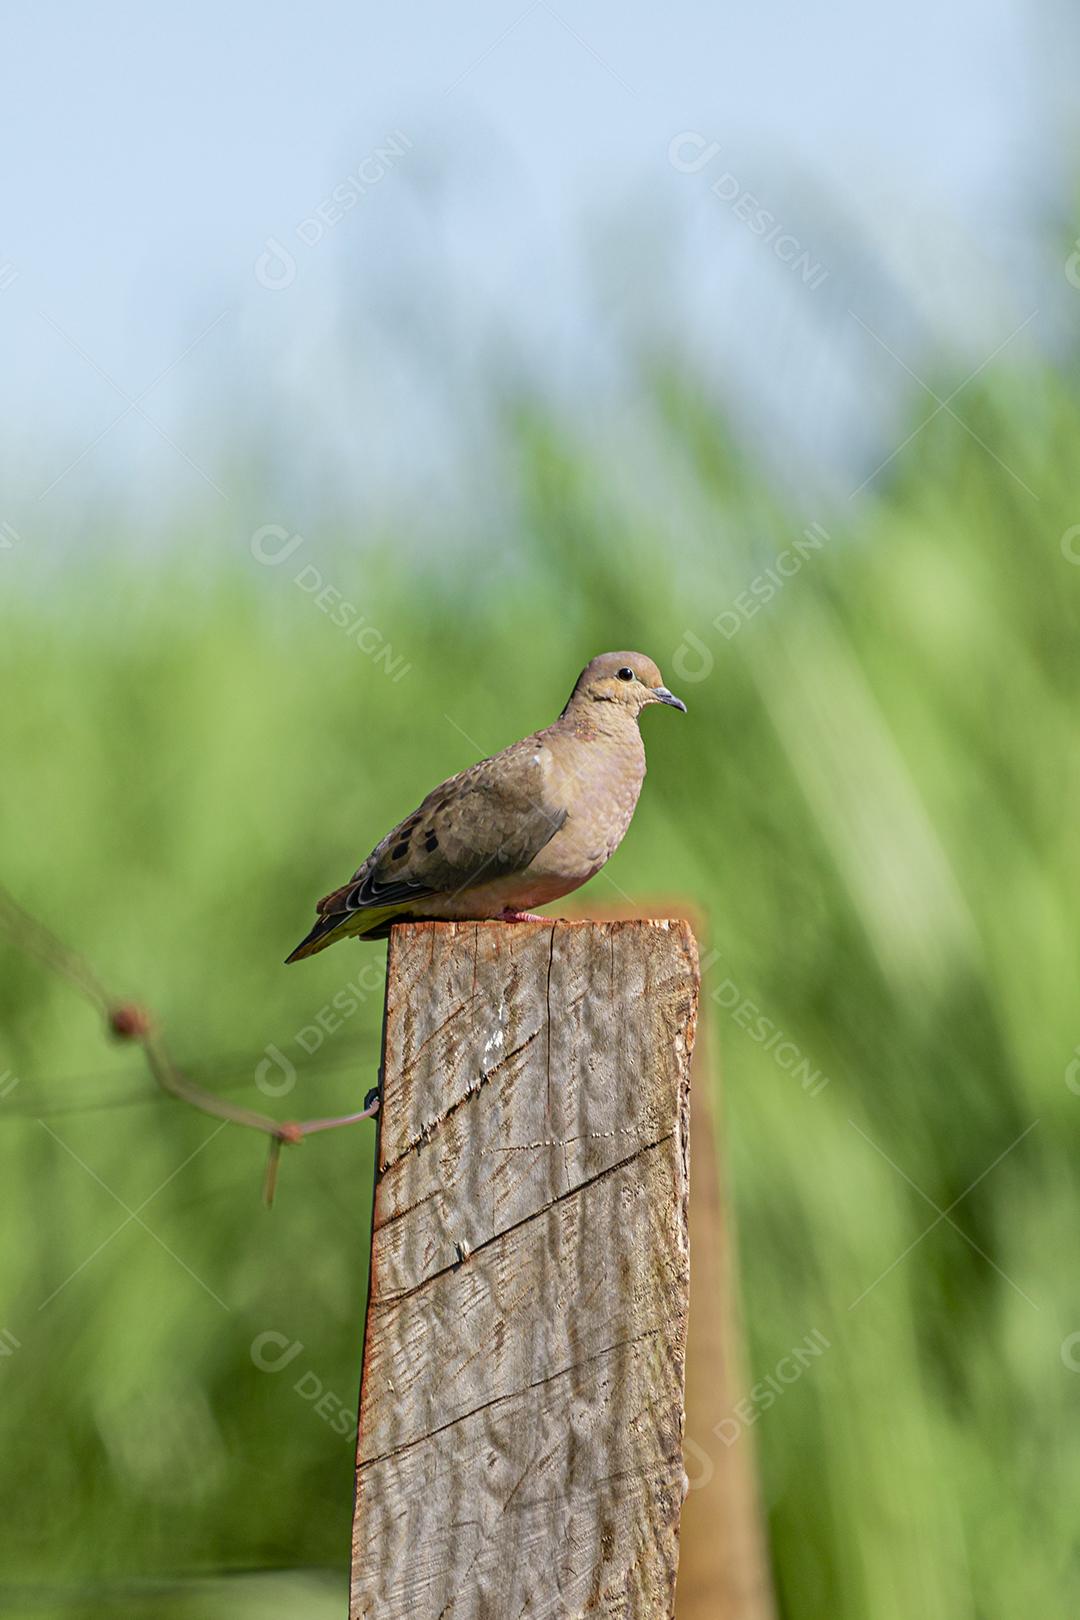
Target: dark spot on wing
[[431, 842], [399, 850]]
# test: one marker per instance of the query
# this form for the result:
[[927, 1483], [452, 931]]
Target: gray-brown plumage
[[517, 830]]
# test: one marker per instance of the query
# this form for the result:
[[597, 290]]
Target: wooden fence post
[[521, 1413]]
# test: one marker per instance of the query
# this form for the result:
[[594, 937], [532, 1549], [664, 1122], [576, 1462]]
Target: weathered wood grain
[[521, 1418]]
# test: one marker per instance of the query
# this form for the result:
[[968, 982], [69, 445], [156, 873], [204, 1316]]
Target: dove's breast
[[595, 781], [599, 781]]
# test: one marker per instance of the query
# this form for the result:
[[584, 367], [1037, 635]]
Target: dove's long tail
[[370, 923]]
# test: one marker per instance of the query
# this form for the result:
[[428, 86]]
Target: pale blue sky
[[152, 151]]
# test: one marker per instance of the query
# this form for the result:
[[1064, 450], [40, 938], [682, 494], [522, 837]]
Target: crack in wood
[[428, 1129], [431, 1035], [387, 1300], [499, 1400], [547, 1021]]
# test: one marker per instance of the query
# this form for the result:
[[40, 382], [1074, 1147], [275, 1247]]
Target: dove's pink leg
[[509, 915]]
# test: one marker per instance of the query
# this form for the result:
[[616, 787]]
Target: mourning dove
[[517, 830]]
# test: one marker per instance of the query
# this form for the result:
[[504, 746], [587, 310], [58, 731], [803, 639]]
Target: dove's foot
[[509, 915]]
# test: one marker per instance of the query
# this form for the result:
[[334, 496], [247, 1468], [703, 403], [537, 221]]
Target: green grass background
[[874, 798]]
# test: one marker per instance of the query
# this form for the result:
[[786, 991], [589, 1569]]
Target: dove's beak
[[662, 695]]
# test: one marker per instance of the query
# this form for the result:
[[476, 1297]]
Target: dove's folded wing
[[490, 821]]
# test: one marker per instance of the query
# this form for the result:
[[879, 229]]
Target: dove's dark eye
[[625, 674]]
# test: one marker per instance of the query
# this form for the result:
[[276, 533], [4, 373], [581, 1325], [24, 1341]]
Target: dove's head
[[628, 679]]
